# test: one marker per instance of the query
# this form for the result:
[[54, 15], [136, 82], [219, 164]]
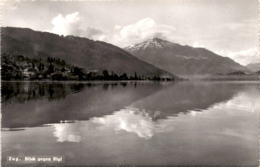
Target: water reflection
[[130, 120], [66, 132], [186, 96], [145, 125], [80, 101], [20, 92], [144, 129]]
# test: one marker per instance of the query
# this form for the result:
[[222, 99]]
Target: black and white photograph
[[130, 83]]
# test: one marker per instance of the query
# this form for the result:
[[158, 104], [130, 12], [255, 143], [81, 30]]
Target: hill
[[84, 53]]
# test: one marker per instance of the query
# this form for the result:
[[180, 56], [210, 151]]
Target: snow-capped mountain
[[183, 59], [150, 43]]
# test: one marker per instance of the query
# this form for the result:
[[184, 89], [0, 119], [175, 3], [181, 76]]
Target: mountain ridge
[[83, 52], [183, 59]]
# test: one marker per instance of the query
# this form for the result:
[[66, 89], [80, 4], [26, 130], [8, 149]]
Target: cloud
[[131, 120], [72, 24], [66, 132], [243, 57], [10, 5], [93, 33], [141, 30], [146, 28], [66, 25], [198, 45]]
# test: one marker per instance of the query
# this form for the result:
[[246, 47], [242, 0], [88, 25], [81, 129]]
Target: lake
[[131, 123]]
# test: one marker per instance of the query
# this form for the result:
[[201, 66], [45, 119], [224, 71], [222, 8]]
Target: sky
[[226, 27]]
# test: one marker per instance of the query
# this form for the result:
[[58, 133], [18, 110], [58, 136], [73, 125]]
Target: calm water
[[143, 123]]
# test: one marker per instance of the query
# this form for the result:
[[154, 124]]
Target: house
[[29, 72]]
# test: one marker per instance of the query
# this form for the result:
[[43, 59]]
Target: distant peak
[[156, 39], [154, 42]]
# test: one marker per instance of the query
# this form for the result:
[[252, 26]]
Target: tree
[[63, 69], [41, 67], [50, 68], [79, 72], [114, 76], [105, 74], [124, 76], [49, 60]]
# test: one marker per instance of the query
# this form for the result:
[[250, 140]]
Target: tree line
[[19, 67]]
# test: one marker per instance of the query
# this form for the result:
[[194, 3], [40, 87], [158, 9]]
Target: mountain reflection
[[144, 125], [71, 101], [51, 102], [186, 123], [186, 96]]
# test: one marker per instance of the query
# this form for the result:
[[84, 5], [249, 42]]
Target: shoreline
[[132, 81], [97, 81]]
